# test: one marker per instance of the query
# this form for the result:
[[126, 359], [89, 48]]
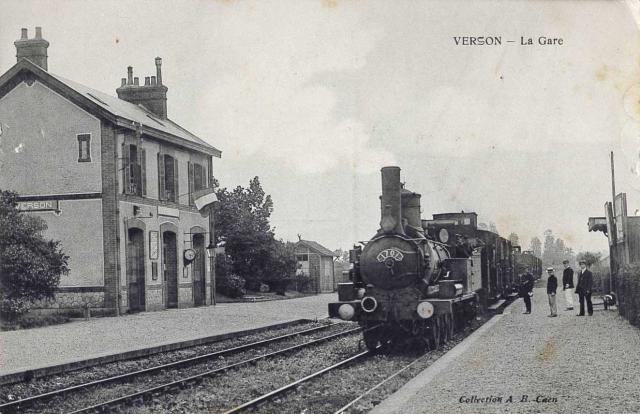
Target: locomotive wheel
[[434, 334], [452, 326], [371, 339]]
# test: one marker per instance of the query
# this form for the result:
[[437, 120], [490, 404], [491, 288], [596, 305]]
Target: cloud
[[271, 101]]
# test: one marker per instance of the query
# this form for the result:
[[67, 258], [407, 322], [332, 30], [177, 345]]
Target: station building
[[114, 179]]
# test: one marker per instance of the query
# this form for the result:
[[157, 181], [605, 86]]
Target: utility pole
[[612, 247]]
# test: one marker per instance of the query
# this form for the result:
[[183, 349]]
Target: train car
[[406, 287], [497, 266], [527, 260]]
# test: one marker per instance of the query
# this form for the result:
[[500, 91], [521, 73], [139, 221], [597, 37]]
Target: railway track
[[18, 405], [266, 397], [368, 392]]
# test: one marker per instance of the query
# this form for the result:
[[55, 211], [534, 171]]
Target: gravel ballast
[[38, 386]]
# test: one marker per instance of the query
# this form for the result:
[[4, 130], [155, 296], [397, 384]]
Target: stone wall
[[185, 297], [154, 299], [72, 300]]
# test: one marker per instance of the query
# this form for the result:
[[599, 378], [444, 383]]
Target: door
[[199, 270], [170, 267], [135, 269]]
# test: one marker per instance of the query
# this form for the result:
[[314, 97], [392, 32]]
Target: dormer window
[[84, 147]]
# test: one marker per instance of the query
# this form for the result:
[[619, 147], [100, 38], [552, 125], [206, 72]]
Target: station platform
[[517, 363], [79, 340]]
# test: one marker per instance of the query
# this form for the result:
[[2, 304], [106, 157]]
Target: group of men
[[582, 288]]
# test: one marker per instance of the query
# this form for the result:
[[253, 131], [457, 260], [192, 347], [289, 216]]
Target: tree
[[514, 239], [536, 247], [560, 251], [549, 247], [589, 257], [30, 265], [242, 221]]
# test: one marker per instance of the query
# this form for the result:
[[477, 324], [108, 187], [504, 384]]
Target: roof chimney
[[35, 50], [159, 70], [152, 95]]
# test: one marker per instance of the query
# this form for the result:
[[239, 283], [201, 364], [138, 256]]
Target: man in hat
[[526, 289], [583, 288], [567, 284], [552, 286]]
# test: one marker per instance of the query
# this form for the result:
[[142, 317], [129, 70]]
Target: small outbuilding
[[316, 262]]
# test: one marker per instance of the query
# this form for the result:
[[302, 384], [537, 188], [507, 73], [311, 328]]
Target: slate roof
[[123, 113], [317, 247]]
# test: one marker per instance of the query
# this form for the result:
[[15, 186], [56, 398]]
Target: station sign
[[39, 205]]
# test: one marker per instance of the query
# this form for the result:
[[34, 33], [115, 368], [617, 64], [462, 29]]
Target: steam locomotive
[[416, 281]]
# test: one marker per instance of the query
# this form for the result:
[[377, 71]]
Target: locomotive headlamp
[[425, 310], [369, 304], [346, 312]]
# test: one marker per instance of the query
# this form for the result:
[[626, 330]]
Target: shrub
[[30, 266], [231, 285], [12, 308], [628, 292]]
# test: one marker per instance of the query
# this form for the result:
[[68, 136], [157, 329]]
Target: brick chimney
[[152, 95], [33, 49]]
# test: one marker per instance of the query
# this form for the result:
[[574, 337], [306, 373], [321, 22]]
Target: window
[[134, 172], [84, 147], [302, 258], [197, 179], [167, 178]]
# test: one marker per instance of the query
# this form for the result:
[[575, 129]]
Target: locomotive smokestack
[[391, 218]]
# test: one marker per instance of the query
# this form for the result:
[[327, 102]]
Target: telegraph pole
[[612, 247]]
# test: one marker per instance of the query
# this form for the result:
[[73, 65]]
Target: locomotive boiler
[[404, 286]]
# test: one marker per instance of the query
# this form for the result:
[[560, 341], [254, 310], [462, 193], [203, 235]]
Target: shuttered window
[[168, 178], [84, 147], [134, 171], [197, 179]]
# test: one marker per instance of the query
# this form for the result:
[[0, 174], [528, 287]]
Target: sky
[[314, 97]]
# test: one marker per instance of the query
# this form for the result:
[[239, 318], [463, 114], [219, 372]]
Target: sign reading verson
[[41, 205]]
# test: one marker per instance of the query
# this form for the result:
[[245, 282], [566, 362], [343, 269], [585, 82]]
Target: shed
[[316, 261]]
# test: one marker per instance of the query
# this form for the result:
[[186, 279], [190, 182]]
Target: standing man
[[526, 289], [567, 284], [583, 288], [552, 286]]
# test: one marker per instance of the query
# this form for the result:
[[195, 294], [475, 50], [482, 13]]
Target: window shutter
[[175, 180], [143, 166], [126, 176], [204, 176], [161, 190], [191, 182]]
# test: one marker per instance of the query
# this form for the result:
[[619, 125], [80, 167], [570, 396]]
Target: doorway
[[135, 269], [170, 267], [199, 296]]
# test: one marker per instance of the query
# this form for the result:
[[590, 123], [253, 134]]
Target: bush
[[628, 292], [12, 308], [231, 285], [30, 266], [35, 321], [304, 283]]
